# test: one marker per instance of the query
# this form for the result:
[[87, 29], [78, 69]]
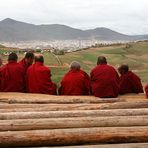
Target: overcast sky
[[125, 16]]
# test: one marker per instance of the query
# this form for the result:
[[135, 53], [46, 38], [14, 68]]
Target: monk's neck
[[102, 64], [38, 63], [12, 61], [74, 70]]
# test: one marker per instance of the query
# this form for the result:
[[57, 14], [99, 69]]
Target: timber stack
[[37, 120]]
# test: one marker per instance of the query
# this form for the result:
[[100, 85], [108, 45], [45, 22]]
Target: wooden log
[[74, 136], [133, 95], [124, 145], [42, 98], [56, 107], [73, 113], [80, 122], [67, 100]]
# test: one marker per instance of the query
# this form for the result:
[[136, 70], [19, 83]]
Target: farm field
[[135, 55]]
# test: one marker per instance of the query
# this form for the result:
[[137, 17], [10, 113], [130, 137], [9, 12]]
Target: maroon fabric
[[39, 79], [146, 90], [130, 83], [23, 64], [104, 81], [12, 78], [75, 83]]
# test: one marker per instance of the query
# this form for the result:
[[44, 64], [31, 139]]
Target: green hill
[[133, 54]]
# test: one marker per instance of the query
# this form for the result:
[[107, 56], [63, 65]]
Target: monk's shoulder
[[45, 68], [110, 66]]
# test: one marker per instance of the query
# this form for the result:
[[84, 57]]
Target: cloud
[[126, 16]]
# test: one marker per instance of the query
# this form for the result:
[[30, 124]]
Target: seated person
[[104, 80], [129, 81], [75, 82], [1, 61], [12, 75], [146, 90], [27, 61], [39, 78]]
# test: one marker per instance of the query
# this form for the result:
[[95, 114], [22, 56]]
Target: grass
[[136, 56]]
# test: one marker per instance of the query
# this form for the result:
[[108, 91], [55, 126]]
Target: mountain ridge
[[12, 30]]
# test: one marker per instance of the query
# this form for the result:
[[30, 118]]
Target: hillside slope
[[12, 30]]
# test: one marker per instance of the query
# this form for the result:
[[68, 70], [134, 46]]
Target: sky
[[125, 16]]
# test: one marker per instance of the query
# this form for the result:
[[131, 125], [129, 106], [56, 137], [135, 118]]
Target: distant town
[[66, 45]]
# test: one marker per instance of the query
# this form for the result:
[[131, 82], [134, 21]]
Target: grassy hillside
[[134, 54]]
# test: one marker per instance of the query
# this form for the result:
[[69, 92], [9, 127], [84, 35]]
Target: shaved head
[[123, 68], [75, 65], [29, 57], [12, 57], [39, 58], [101, 60]]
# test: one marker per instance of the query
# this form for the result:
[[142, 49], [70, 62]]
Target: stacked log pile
[[33, 120]]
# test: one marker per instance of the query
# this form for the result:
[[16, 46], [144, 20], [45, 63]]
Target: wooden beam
[[43, 98], [58, 107], [73, 113], [133, 95], [80, 122], [68, 100], [125, 145], [74, 136]]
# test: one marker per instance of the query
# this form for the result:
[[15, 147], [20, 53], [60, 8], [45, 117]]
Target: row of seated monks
[[104, 81]]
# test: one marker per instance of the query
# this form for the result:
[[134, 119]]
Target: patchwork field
[[134, 54]]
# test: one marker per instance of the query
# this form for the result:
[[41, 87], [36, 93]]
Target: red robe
[[11, 77], [39, 79], [130, 83], [104, 81], [75, 83], [24, 66], [146, 90]]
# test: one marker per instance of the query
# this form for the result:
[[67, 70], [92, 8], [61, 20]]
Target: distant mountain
[[12, 30]]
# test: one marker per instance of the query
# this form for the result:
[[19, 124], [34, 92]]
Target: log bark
[[42, 98], [68, 100], [74, 136], [73, 113], [60, 107], [133, 95], [125, 145], [80, 122]]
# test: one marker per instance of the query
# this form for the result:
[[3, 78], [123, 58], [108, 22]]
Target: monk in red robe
[[75, 82], [1, 61], [129, 81], [11, 75], [39, 78], [104, 80], [146, 90], [27, 61]]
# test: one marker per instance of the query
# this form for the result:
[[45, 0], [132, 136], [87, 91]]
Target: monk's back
[[12, 78], [104, 74], [130, 83], [74, 83], [38, 79], [104, 80]]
